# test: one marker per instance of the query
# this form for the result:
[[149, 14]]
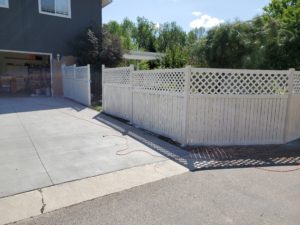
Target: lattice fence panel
[[238, 82], [117, 76], [296, 89], [160, 80]]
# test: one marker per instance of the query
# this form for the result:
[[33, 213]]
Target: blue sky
[[187, 13]]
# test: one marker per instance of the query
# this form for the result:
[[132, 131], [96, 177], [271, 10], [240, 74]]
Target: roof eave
[[105, 3], [139, 55]]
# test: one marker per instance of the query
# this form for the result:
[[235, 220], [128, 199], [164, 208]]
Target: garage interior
[[24, 74]]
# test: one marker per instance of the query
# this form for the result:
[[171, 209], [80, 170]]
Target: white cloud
[[205, 21], [196, 13]]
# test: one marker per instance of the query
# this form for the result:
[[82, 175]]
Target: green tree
[[196, 43], [269, 41], [228, 45], [282, 18], [97, 46], [195, 35], [144, 34], [196, 53], [128, 31], [170, 35], [124, 31], [176, 57]]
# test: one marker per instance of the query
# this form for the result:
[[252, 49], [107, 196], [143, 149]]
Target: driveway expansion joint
[[43, 201]]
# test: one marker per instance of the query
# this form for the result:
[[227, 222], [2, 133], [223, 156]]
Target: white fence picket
[[117, 92], [215, 106], [77, 83]]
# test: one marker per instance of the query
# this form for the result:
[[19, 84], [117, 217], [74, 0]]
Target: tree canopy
[[97, 46], [268, 41]]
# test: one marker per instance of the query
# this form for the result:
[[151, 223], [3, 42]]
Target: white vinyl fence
[[197, 106], [77, 83]]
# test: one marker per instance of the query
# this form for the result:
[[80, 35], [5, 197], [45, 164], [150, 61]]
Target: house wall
[[23, 28]]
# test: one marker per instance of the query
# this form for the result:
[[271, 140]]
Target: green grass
[[96, 106]]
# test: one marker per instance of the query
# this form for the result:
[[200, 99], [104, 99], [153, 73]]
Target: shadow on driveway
[[213, 157], [9, 105]]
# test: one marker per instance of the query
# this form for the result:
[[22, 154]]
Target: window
[[4, 3], [55, 7]]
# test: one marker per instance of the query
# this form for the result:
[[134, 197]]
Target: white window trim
[[6, 4], [56, 14]]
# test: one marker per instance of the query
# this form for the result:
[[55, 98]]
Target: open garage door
[[25, 74]]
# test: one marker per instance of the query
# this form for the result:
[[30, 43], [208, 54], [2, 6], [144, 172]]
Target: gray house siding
[[23, 28]]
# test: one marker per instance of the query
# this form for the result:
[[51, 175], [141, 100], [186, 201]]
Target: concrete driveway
[[47, 141]]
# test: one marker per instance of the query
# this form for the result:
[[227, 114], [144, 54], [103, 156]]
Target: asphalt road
[[236, 196]]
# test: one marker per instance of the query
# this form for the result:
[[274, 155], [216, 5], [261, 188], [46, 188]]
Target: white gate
[[77, 83]]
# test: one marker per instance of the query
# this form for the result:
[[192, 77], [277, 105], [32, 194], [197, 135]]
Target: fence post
[[290, 93], [131, 92], [63, 79], [89, 84], [73, 81], [103, 91], [187, 82]]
